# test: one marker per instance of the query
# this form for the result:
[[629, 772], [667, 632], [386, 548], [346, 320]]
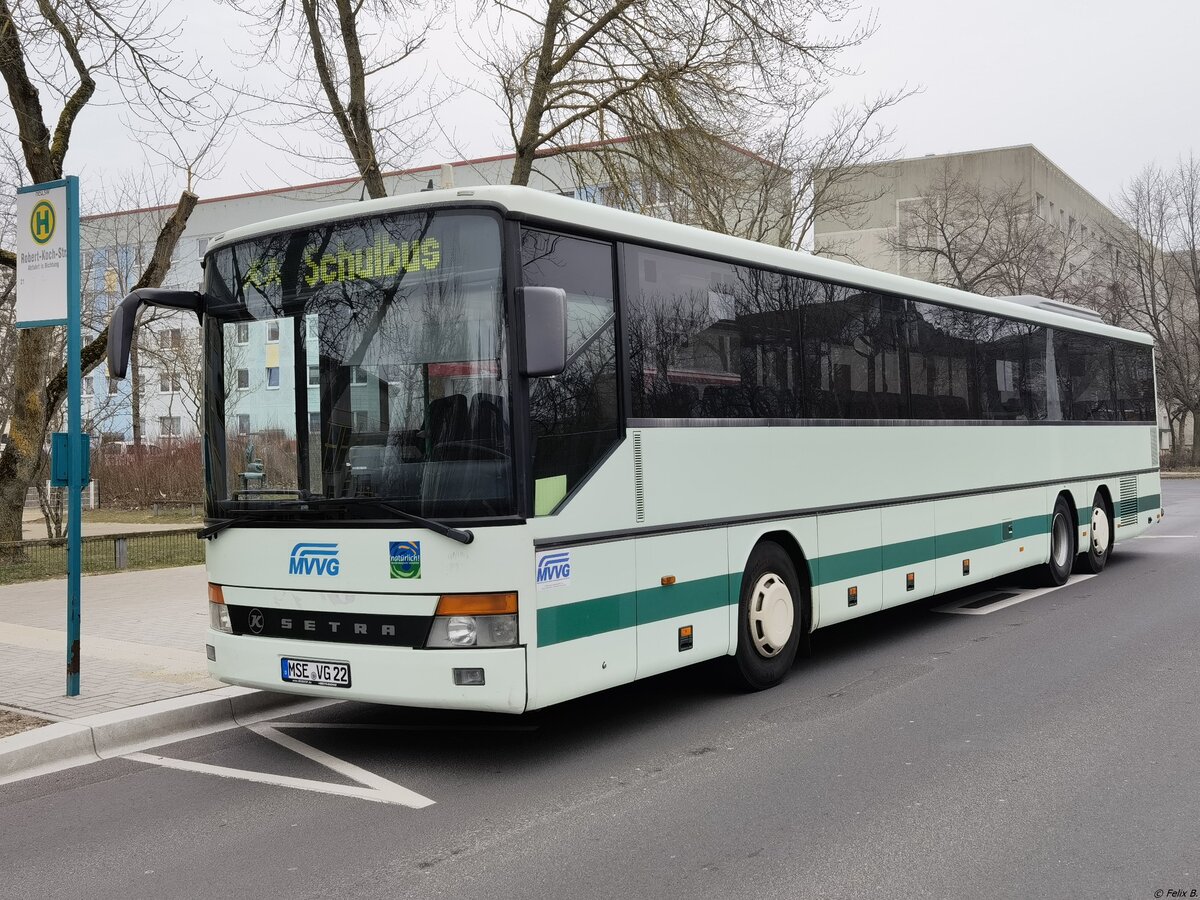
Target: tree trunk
[[531, 128], [1195, 460], [22, 457], [135, 393]]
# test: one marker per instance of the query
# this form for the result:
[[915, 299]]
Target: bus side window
[[574, 416]]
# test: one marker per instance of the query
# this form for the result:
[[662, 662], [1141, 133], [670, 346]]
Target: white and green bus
[[512, 448]]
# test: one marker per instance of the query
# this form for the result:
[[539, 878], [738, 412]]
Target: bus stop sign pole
[[48, 294]]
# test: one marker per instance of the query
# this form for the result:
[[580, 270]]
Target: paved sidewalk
[[142, 639]]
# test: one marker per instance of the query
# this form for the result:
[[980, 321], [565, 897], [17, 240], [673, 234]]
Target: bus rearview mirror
[[545, 331], [124, 320]]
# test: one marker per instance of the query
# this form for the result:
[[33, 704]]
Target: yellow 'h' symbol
[[41, 222]]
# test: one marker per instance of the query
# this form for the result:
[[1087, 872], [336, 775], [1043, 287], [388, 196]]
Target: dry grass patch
[[15, 722]]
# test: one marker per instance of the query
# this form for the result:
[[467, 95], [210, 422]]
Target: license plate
[[316, 671]]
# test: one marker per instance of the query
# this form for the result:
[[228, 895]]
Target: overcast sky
[[1101, 87]]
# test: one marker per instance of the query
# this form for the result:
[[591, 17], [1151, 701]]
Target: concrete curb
[[64, 745], [1179, 474]]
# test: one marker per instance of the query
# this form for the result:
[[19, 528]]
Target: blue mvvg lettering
[[554, 567], [314, 559]]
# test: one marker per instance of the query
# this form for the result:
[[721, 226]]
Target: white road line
[[1188, 537], [955, 606], [354, 773], [301, 784], [355, 726], [372, 787]]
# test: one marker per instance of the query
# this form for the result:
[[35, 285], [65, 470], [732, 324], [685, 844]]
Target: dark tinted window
[[573, 417], [1134, 383], [974, 366], [684, 345], [944, 366], [1085, 376], [713, 340]]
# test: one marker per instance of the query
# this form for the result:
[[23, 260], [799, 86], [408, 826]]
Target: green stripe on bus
[[855, 563], [586, 618], [683, 598]]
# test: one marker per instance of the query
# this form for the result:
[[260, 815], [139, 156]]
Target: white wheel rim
[[772, 615], [1060, 547], [1100, 531]]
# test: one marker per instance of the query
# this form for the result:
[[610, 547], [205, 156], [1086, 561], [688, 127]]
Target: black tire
[[1056, 571], [767, 642], [1100, 539]]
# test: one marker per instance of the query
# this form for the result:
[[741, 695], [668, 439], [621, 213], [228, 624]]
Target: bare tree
[[570, 71], [1153, 267], [990, 240], [349, 72], [64, 50]]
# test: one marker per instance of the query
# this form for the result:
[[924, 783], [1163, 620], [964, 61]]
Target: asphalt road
[[1048, 749]]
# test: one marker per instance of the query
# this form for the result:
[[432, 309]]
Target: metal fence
[[35, 560]]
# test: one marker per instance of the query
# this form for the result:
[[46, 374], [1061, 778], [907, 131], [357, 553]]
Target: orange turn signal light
[[477, 604], [215, 594]]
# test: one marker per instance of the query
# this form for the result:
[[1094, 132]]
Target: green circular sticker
[[42, 221]]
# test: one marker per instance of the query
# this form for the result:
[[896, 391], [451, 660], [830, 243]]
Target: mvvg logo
[[554, 569], [314, 559]]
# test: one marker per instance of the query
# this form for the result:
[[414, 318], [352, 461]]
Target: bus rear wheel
[[1100, 538], [1062, 545], [770, 619]]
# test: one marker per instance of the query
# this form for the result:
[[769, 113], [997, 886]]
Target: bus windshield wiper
[[255, 515], [462, 535], [455, 534]]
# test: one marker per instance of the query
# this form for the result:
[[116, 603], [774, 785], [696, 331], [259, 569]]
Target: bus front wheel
[[770, 619]]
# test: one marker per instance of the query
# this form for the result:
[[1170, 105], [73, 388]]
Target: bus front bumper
[[394, 675]]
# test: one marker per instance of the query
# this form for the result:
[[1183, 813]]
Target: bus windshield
[[361, 359]]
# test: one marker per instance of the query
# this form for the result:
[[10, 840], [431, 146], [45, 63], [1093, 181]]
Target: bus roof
[[548, 207]]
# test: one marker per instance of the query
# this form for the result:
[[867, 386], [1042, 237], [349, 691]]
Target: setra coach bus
[[516, 448]]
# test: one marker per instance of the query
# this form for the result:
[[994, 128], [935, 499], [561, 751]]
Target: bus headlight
[[218, 618], [474, 620], [462, 631], [218, 613]]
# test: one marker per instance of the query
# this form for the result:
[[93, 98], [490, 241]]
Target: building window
[[243, 332], [168, 383], [170, 339], [169, 426], [310, 327], [272, 377], [360, 420], [358, 375], [86, 385], [314, 422], [201, 247], [243, 423], [314, 376], [1039, 206], [112, 386], [243, 379], [273, 331]]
